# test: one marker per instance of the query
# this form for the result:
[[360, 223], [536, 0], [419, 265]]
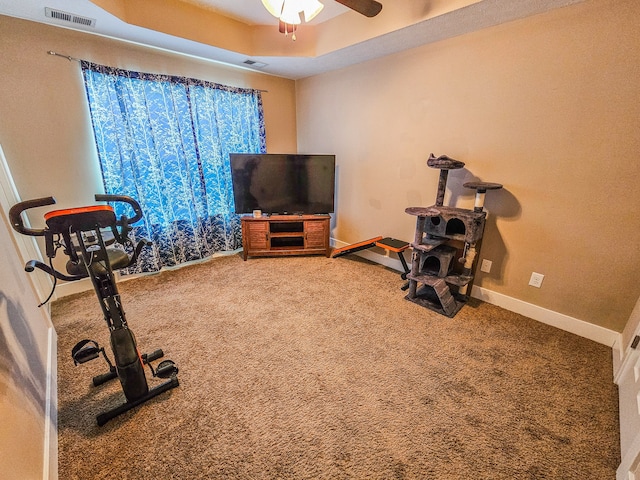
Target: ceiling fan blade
[[368, 8]]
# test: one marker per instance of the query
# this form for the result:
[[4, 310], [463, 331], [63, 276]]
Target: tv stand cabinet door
[[255, 237], [317, 235]]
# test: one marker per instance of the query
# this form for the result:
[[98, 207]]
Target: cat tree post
[[469, 259], [445, 164], [481, 189]]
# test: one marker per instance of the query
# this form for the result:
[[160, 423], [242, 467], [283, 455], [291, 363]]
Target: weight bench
[[387, 243]]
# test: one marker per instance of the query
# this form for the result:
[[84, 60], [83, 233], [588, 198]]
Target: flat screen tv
[[283, 183]]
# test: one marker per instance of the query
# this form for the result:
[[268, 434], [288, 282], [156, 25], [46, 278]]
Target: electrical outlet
[[485, 266], [536, 280]]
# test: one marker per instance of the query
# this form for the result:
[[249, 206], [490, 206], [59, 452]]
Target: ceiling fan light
[[290, 12], [274, 7], [311, 8]]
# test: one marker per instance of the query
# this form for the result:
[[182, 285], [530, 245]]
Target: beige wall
[[548, 106], [24, 353]]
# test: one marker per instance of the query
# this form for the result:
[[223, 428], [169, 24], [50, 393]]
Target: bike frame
[[80, 232]]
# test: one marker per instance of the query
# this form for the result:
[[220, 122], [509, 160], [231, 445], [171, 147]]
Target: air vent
[[254, 64], [69, 17]]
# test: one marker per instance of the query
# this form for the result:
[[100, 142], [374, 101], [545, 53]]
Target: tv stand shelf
[[285, 235]]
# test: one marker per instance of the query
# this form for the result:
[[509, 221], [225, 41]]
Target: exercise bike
[[86, 235]]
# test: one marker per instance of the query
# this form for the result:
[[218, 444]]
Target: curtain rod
[[51, 52], [70, 58]]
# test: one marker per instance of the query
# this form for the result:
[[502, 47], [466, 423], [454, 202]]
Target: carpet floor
[[318, 368]]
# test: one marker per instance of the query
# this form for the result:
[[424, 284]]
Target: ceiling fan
[[368, 8], [288, 12]]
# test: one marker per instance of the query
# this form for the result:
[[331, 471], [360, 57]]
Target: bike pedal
[[85, 351], [166, 369]]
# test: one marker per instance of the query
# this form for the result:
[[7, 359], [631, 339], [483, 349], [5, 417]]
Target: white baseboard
[[573, 325], [50, 453], [391, 260], [69, 288]]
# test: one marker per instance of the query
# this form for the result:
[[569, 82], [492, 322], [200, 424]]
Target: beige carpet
[[309, 367]]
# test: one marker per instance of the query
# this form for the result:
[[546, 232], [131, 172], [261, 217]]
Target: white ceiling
[[253, 13], [480, 15]]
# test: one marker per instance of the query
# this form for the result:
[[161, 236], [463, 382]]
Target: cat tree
[[445, 245]]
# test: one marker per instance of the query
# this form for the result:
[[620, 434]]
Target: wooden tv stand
[[285, 235]]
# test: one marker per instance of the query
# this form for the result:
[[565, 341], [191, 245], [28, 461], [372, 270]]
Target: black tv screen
[[283, 183]]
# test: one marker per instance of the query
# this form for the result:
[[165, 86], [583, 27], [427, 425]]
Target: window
[[165, 141]]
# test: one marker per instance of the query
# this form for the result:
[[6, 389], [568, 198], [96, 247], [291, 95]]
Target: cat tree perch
[[445, 245]]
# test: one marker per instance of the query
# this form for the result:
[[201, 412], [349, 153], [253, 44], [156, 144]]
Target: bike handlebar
[[31, 265], [120, 230], [15, 215], [15, 212]]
